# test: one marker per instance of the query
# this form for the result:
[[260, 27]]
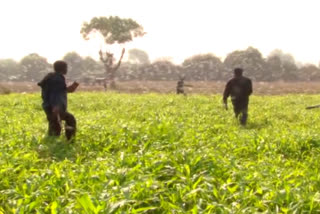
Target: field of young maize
[[156, 153]]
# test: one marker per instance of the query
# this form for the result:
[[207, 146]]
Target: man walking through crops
[[239, 88], [180, 86], [54, 96]]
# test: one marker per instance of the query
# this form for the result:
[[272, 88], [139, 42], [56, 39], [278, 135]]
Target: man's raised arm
[[71, 88]]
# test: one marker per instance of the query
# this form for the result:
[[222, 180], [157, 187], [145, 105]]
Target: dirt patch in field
[[196, 87]]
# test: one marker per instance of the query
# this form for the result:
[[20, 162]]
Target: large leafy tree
[[250, 60], [163, 69], [113, 29], [34, 67], [203, 67], [9, 70], [309, 73], [75, 63], [90, 66], [282, 66], [137, 56]]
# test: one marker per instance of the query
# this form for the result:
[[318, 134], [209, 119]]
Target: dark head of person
[[238, 72], [60, 67]]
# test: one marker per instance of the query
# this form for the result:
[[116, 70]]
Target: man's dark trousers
[[240, 106], [54, 120]]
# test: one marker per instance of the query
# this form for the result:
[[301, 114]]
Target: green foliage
[[9, 69], [75, 63], [251, 61], [113, 29], [161, 154], [81, 68], [4, 90], [309, 72], [204, 66], [137, 56], [201, 58], [34, 67], [283, 66]]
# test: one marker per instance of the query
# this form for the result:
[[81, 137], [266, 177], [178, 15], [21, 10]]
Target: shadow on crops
[[314, 143], [56, 148], [309, 145], [303, 150], [256, 125]]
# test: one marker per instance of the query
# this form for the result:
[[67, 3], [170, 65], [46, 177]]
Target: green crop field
[[157, 153]]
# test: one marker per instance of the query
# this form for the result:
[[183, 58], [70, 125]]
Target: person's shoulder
[[247, 79], [49, 75], [45, 79], [58, 76], [231, 80]]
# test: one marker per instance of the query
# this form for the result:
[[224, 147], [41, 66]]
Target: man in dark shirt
[[239, 88], [180, 86], [54, 96]]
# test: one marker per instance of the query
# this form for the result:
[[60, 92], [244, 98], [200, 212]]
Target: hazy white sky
[[175, 28]]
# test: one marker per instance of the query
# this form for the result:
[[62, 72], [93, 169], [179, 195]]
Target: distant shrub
[[4, 90]]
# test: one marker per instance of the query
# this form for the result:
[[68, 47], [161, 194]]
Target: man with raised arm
[[239, 88], [110, 68], [54, 96]]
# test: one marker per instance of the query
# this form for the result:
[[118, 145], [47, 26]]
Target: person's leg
[[71, 123], [105, 85], [180, 91], [244, 116], [54, 124], [48, 114], [236, 108], [244, 112]]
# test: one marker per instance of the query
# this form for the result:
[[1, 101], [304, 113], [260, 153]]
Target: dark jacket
[[239, 88], [54, 91]]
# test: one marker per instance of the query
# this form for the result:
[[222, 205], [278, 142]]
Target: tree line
[[203, 67]]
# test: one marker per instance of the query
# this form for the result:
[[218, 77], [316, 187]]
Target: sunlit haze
[[175, 29]]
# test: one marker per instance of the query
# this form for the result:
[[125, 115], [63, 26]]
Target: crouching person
[[54, 96]]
